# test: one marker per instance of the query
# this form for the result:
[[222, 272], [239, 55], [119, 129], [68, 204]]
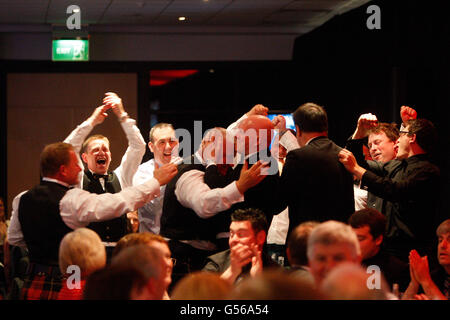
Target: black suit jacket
[[315, 185]]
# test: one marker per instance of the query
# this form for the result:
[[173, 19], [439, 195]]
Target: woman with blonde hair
[[81, 252]]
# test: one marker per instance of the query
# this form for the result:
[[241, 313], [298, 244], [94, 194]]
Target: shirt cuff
[[232, 193], [289, 141]]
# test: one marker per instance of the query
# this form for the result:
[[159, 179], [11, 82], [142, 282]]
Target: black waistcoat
[[178, 222], [41, 222], [110, 230]]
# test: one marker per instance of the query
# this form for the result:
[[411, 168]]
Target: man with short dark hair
[[248, 232], [313, 183], [369, 226], [408, 187]]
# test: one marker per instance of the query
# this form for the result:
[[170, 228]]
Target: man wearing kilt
[[43, 215]]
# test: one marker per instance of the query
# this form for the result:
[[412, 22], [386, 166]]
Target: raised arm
[[79, 134], [257, 109], [136, 144]]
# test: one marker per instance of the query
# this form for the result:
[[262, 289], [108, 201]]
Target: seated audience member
[[349, 281], [369, 226], [116, 283], [246, 254], [150, 261], [407, 186], [274, 285], [330, 244], [201, 285], [132, 222], [153, 241], [296, 250], [435, 285], [82, 248]]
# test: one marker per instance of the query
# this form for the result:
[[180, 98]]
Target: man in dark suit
[[314, 184]]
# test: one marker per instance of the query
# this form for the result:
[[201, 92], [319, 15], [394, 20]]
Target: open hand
[[251, 177]]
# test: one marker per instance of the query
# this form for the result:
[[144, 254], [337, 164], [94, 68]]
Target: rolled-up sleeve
[[192, 192], [79, 207]]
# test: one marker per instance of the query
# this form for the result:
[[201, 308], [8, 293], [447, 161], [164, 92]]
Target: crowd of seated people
[[198, 228]]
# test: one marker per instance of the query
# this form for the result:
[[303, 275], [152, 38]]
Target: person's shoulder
[[219, 255]]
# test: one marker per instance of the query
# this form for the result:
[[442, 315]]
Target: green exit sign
[[70, 50]]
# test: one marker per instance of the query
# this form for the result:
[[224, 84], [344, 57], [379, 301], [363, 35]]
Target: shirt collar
[[56, 181]]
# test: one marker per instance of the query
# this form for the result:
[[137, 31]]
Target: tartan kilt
[[41, 286]]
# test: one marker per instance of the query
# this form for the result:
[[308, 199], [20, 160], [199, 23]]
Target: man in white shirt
[[164, 146], [78, 207], [43, 215], [191, 206], [97, 156]]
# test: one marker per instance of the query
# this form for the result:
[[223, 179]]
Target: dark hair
[[113, 283], [425, 131], [369, 217], [255, 216], [443, 228], [53, 157], [298, 243], [311, 117], [390, 130]]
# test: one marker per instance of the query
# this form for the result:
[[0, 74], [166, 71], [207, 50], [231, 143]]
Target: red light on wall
[[162, 77]]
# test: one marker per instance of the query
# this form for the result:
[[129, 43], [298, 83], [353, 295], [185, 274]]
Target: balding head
[[255, 134], [218, 144]]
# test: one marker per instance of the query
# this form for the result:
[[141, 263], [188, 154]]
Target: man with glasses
[[380, 138], [408, 186]]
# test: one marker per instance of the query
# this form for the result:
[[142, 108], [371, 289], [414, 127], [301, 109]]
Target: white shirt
[[279, 228], [130, 160], [280, 223], [80, 207], [289, 141], [360, 197], [192, 192], [150, 214]]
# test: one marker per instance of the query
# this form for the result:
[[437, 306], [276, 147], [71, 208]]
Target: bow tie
[[98, 176]]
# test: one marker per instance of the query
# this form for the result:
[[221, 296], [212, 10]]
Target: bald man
[[253, 134]]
